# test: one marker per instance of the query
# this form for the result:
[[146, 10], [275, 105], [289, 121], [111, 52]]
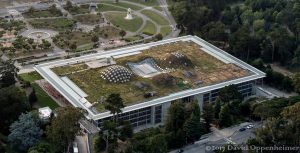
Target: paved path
[[82, 143]]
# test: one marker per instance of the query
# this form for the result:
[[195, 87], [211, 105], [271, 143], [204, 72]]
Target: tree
[[64, 127], [158, 36], [8, 74], [13, 102], [69, 5], [122, 33], [25, 132], [217, 108], [114, 103], [126, 131], [296, 82], [175, 117], [158, 144], [95, 39], [73, 46], [32, 97], [100, 144], [42, 147], [192, 128], [225, 117], [229, 93], [208, 113], [110, 135]]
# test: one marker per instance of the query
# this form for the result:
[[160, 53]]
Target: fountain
[[38, 35]]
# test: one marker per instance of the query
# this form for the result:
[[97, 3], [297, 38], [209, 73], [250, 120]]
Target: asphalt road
[[235, 137]]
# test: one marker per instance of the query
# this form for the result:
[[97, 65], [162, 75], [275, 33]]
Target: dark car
[[242, 129], [180, 151]]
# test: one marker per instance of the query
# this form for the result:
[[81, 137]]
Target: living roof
[[206, 69]]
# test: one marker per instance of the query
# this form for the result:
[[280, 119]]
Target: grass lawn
[[148, 3], [62, 70], [133, 38], [60, 24], [31, 77], [43, 98], [155, 17], [149, 28], [158, 8], [77, 37], [89, 19], [42, 14], [117, 19], [85, 47], [125, 5], [165, 30], [104, 7], [108, 32]]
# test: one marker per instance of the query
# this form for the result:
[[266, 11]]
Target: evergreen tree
[[217, 108], [225, 119], [25, 132], [208, 114], [32, 97], [192, 128], [175, 118]]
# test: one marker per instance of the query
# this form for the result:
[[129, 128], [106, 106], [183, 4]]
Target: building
[[45, 113], [192, 69]]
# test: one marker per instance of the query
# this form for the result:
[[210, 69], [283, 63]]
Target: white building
[[45, 113], [152, 112]]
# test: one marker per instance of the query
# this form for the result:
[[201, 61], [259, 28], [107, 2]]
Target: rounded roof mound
[[116, 74], [178, 59]]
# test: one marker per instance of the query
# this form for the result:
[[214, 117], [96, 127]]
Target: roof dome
[[116, 74]]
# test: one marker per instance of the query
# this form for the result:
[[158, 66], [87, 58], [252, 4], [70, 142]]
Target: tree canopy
[[64, 127], [25, 132]]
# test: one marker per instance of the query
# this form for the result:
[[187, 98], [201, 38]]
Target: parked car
[[242, 129], [250, 126], [75, 148]]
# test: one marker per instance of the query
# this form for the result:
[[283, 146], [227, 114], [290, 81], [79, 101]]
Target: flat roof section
[[73, 86], [74, 97]]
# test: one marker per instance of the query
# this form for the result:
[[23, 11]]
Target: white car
[[75, 148], [250, 126]]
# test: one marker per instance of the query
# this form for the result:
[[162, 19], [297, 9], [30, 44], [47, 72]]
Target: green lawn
[[79, 38], [117, 19], [148, 3], [89, 19], [43, 98], [165, 30], [104, 7], [125, 5], [31, 77], [60, 24], [158, 8], [149, 28], [155, 17]]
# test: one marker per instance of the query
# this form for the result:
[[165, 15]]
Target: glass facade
[[137, 117], [244, 88], [158, 114]]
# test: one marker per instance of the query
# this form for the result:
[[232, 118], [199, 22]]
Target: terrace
[[161, 70]]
